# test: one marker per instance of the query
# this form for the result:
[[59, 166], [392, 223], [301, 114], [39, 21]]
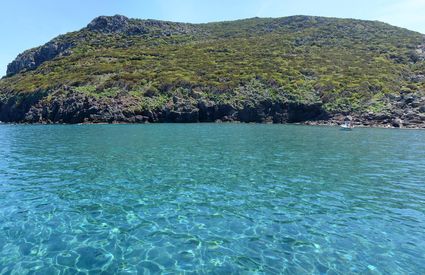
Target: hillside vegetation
[[151, 69]]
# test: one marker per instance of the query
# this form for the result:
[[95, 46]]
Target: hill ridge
[[34, 57]]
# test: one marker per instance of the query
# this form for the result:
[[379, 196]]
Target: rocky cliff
[[33, 58]]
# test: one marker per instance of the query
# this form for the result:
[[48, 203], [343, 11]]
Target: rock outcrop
[[122, 25], [33, 58], [404, 111]]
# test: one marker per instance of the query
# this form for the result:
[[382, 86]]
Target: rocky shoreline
[[79, 108], [328, 123], [404, 111]]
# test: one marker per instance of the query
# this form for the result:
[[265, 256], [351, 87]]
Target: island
[[297, 69]]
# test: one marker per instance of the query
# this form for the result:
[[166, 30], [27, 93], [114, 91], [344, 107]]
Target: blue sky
[[29, 23]]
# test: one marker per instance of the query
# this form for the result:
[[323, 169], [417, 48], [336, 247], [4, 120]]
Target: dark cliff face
[[74, 107], [69, 106]]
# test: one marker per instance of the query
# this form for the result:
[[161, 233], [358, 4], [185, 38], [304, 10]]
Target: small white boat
[[347, 126]]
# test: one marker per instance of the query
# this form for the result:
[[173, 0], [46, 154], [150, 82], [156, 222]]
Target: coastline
[[407, 112], [330, 123]]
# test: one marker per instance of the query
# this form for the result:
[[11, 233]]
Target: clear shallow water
[[211, 198]]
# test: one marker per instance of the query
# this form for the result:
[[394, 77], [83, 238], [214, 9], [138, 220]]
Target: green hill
[[288, 69]]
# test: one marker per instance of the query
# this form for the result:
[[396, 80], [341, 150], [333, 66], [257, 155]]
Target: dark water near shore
[[211, 198]]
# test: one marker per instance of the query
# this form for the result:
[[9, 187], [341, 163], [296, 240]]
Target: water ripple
[[127, 199]]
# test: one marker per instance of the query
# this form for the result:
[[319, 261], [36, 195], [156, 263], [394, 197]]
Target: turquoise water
[[211, 198]]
